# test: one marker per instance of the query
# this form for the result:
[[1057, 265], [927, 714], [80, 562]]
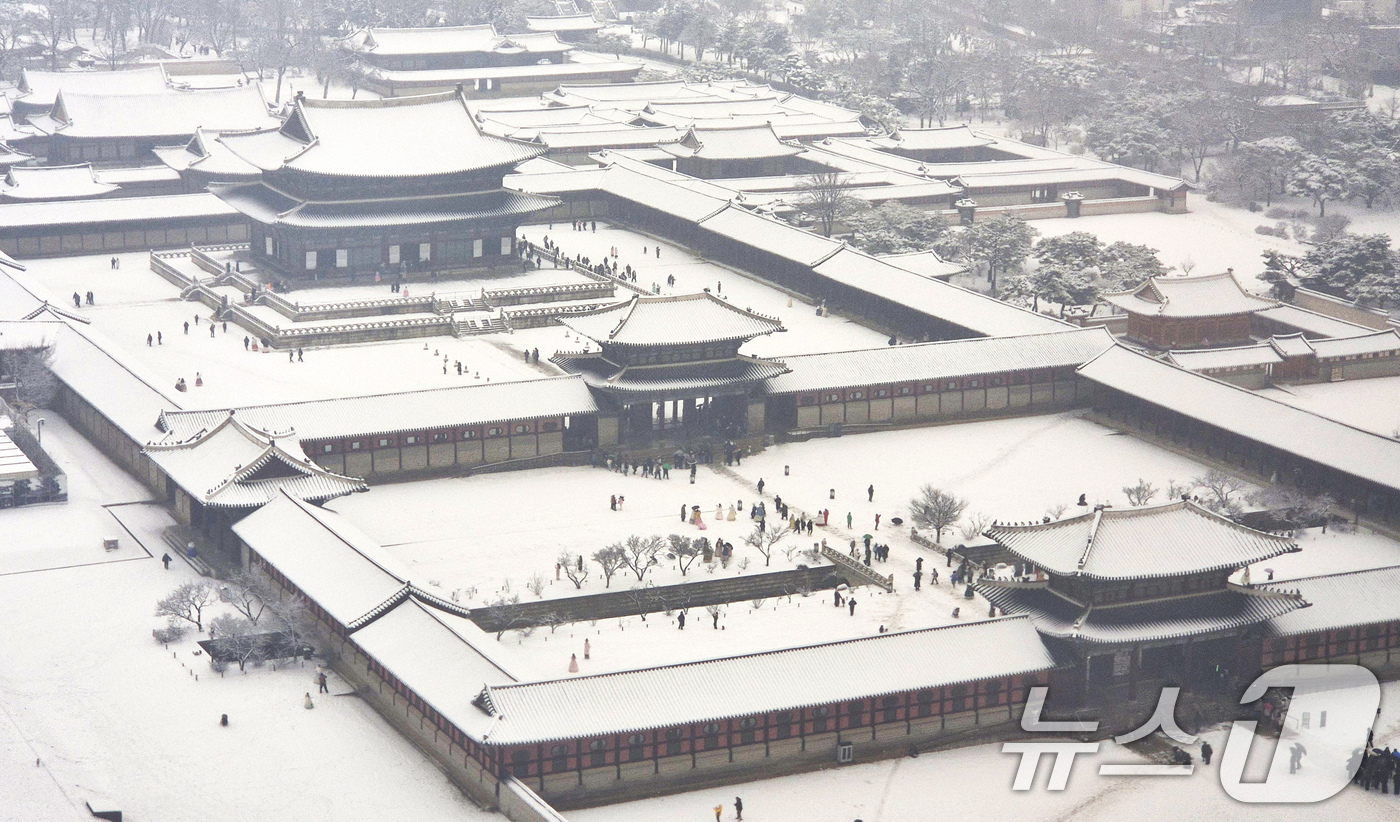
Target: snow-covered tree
[[1321, 179], [937, 509], [1002, 243], [574, 568], [187, 602], [639, 553], [764, 539], [610, 559]]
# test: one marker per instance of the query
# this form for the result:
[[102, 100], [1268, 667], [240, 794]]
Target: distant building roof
[[939, 360], [40, 88], [763, 682], [1171, 539], [45, 214], [408, 411], [234, 465], [1343, 600], [741, 143], [270, 207], [925, 264], [52, 183], [688, 319], [435, 79], [205, 154], [933, 139], [665, 380], [1211, 359], [167, 113], [1311, 323], [563, 23], [1292, 345], [1278, 425], [448, 40], [771, 235], [431, 134], [1216, 612], [1212, 295], [1381, 342]]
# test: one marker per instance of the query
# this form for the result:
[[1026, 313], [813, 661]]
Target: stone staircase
[[486, 325], [178, 538]]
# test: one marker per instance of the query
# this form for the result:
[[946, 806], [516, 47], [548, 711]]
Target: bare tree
[[1220, 489], [826, 198], [1055, 511], [574, 568], [1140, 494], [684, 551], [1176, 491], [247, 594], [35, 384], [639, 553], [536, 584], [610, 559], [504, 613], [187, 602], [937, 509], [765, 539], [236, 636], [758, 603], [977, 523]]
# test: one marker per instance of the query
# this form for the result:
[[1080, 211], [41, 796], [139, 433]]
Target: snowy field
[[806, 332], [133, 302], [92, 709], [975, 783], [450, 532], [1372, 404]]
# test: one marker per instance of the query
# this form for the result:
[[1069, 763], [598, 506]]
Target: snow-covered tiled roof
[[52, 183], [654, 192], [770, 235], [1244, 356], [759, 683], [407, 411], [543, 72], [563, 22], [686, 319], [324, 555], [233, 465], [1311, 323], [755, 142], [940, 360], [448, 40], [1171, 539], [168, 207], [1292, 345], [426, 135], [1216, 612], [1211, 295], [933, 139], [1381, 342], [169, 113], [1278, 425], [736, 374], [40, 88], [271, 207], [924, 263], [434, 652], [1339, 601], [205, 154], [978, 313]]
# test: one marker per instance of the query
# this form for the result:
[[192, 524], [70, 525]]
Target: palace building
[[1140, 595], [1189, 312], [380, 185], [673, 363]]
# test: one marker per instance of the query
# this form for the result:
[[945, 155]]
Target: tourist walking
[[738, 808], [851, 603]]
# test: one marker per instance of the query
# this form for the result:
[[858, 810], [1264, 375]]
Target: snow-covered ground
[[975, 783], [1212, 236], [92, 709], [806, 332], [1373, 404], [57, 535]]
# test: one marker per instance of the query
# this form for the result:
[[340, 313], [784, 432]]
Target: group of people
[[78, 298], [1380, 768], [650, 467]]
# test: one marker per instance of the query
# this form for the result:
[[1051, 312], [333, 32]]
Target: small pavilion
[[671, 365], [223, 472], [1139, 596], [1189, 312]]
